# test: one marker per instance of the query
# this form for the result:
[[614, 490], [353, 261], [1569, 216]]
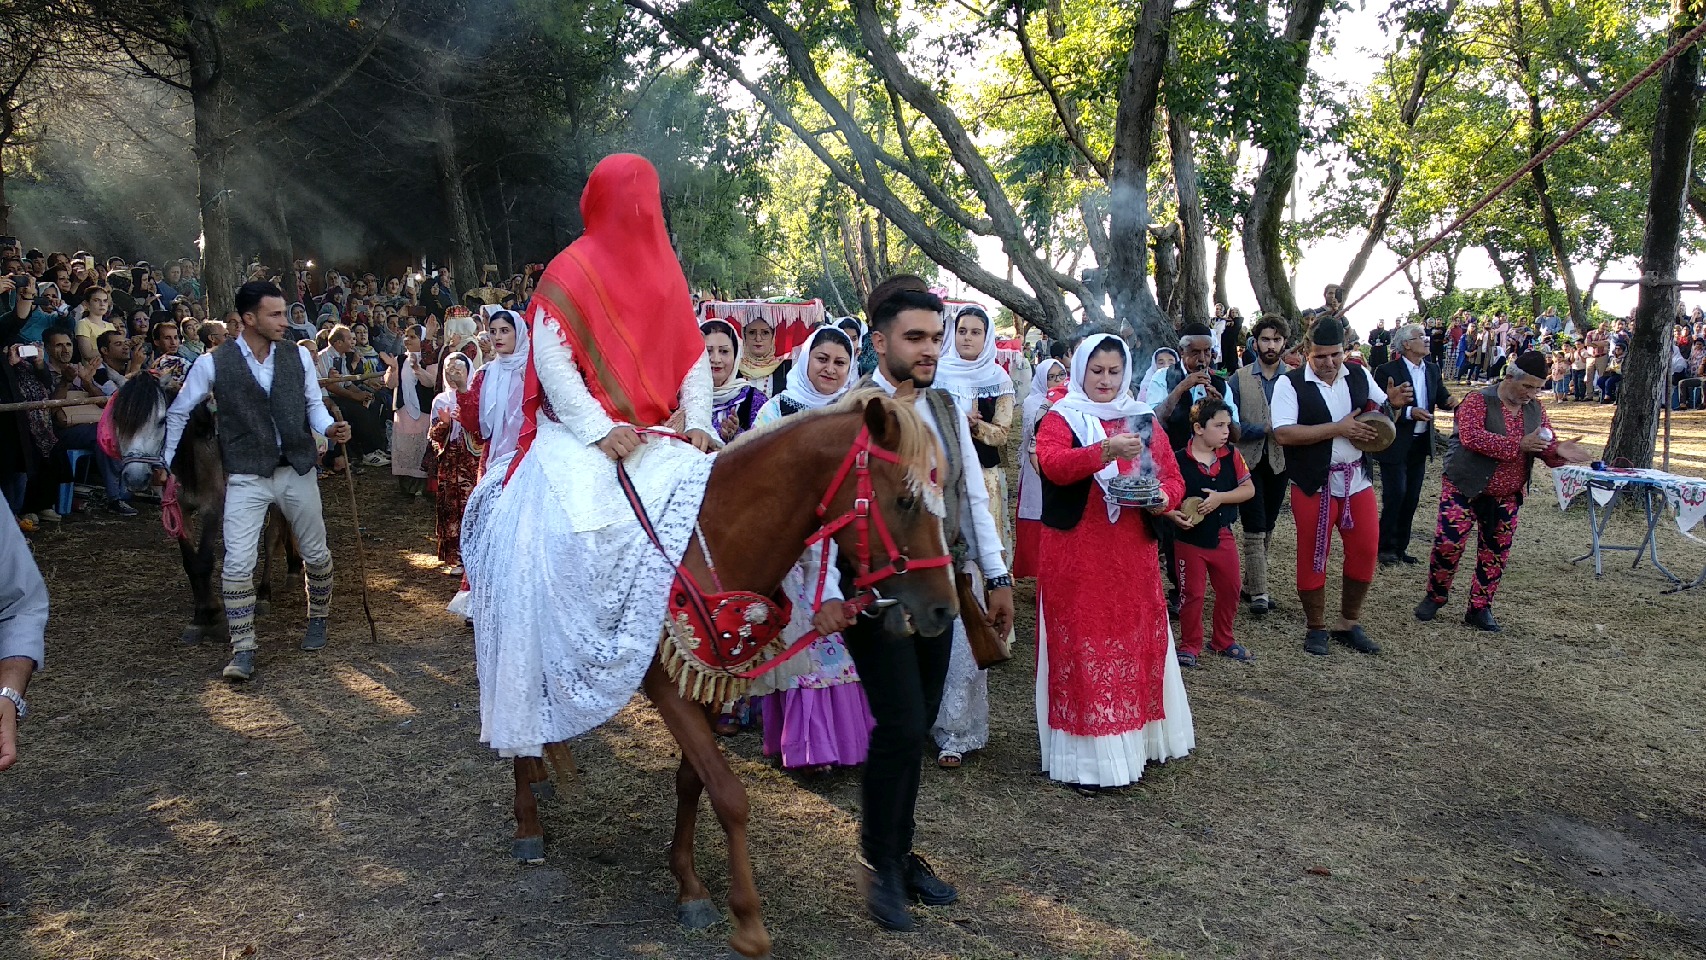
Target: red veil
[[621, 300]]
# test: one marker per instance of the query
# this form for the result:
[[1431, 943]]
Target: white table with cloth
[[1654, 490]]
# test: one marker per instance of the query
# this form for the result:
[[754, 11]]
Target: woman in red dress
[[1109, 695], [457, 465]]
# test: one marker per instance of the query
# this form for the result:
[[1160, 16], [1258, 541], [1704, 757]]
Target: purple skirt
[[812, 727]]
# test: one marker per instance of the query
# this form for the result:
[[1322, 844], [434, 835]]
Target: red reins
[[864, 513]]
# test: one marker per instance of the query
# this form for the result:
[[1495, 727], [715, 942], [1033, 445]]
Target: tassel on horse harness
[[710, 640]]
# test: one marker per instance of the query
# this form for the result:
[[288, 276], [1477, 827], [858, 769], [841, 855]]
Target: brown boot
[[1350, 607], [1315, 615]]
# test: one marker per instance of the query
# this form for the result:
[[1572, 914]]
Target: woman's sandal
[[949, 760]]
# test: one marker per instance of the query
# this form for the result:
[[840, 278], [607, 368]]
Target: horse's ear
[[882, 423]]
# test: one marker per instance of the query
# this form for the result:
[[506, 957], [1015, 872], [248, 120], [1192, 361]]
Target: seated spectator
[[164, 339], [65, 375], [97, 306], [167, 287], [357, 401], [211, 334], [299, 327], [1613, 377], [118, 362]]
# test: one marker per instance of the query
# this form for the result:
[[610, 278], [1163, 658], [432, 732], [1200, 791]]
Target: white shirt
[[199, 384], [1338, 398], [1419, 381], [976, 522]]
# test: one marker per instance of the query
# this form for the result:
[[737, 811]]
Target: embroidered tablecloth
[[1686, 495]]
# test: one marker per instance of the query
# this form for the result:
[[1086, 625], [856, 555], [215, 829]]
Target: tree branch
[[1068, 122], [313, 100]]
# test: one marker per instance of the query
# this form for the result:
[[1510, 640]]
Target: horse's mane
[[919, 452], [135, 403]]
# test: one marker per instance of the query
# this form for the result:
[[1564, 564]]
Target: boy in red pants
[[1204, 548]]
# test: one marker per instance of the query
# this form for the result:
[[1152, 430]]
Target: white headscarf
[[1085, 415], [1039, 389], [736, 383], [972, 380], [1149, 390], [800, 388], [500, 394], [446, 399], [411, 399]]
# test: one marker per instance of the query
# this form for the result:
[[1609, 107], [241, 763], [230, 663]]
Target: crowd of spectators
[[74, 327]]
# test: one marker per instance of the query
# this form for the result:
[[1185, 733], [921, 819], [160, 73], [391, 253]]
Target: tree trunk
[[455, 200], [1164, 241], [1507, 276], [292, 293], [207, 100], [1407, 114], [1222, 257], [1263, 255], [1536, 283], [1126, 272], [1646, 369], [1193, 264]]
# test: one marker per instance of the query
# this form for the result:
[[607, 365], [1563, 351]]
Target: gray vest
[[1469, 471], [1253, 408], [252, 423]]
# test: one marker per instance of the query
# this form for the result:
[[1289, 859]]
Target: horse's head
[[139, 424], [908, 498]]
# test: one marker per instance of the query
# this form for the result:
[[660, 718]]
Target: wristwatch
[[17, 701]]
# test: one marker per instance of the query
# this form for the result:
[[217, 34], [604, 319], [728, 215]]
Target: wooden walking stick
[[355, 518]]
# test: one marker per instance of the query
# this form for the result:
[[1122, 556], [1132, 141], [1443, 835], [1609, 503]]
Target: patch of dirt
[[1448, 799]]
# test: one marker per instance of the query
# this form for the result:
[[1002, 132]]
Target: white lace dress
[[567, 593]]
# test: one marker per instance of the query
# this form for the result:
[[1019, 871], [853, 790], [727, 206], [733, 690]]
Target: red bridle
[[864, 514]]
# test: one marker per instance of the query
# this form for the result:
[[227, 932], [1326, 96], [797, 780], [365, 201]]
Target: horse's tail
[[562, 763]]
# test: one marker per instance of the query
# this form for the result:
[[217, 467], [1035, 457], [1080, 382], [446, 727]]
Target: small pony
[[137, 415]]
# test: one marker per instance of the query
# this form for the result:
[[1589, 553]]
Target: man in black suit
[[1404, 464]]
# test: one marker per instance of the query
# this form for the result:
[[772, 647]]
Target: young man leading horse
[[903, 674], [269, 410]]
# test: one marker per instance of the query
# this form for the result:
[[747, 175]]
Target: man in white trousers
[[268, 412]]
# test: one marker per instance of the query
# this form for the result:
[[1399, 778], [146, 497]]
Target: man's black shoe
[[885, 899], [1482, 619], [1388, 559], [1316, 642], [1356, 639], [923, 885], [1426, 609], [1406, 558]]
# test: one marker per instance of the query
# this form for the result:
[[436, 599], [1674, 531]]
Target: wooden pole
[[27, 405]]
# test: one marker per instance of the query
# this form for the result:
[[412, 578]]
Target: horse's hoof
[[191, 636], [529, 850], [697, 914], [543, 790], [263, 608]]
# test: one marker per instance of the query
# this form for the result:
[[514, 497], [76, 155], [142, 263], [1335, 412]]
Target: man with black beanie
[[1315, 410], [1487, 470]]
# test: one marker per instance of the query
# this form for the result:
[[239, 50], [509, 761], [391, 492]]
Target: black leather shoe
[[1315, 641], [923, 885], [1426, 609], [242, 665], [1482, 619], [1407, 559], [1388, 559], [1356, 639], [885, 899]]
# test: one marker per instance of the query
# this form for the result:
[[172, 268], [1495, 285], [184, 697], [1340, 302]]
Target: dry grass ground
[[1536, 794]]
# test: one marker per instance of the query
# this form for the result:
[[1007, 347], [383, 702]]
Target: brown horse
[[139, 424], [759, 509]]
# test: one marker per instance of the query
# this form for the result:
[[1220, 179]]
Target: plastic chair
[[68, 489]]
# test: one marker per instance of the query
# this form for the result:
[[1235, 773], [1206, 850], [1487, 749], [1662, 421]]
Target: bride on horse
[[568, 594]]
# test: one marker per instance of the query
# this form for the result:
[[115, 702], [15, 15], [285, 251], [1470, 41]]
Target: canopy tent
[[793, 319]]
